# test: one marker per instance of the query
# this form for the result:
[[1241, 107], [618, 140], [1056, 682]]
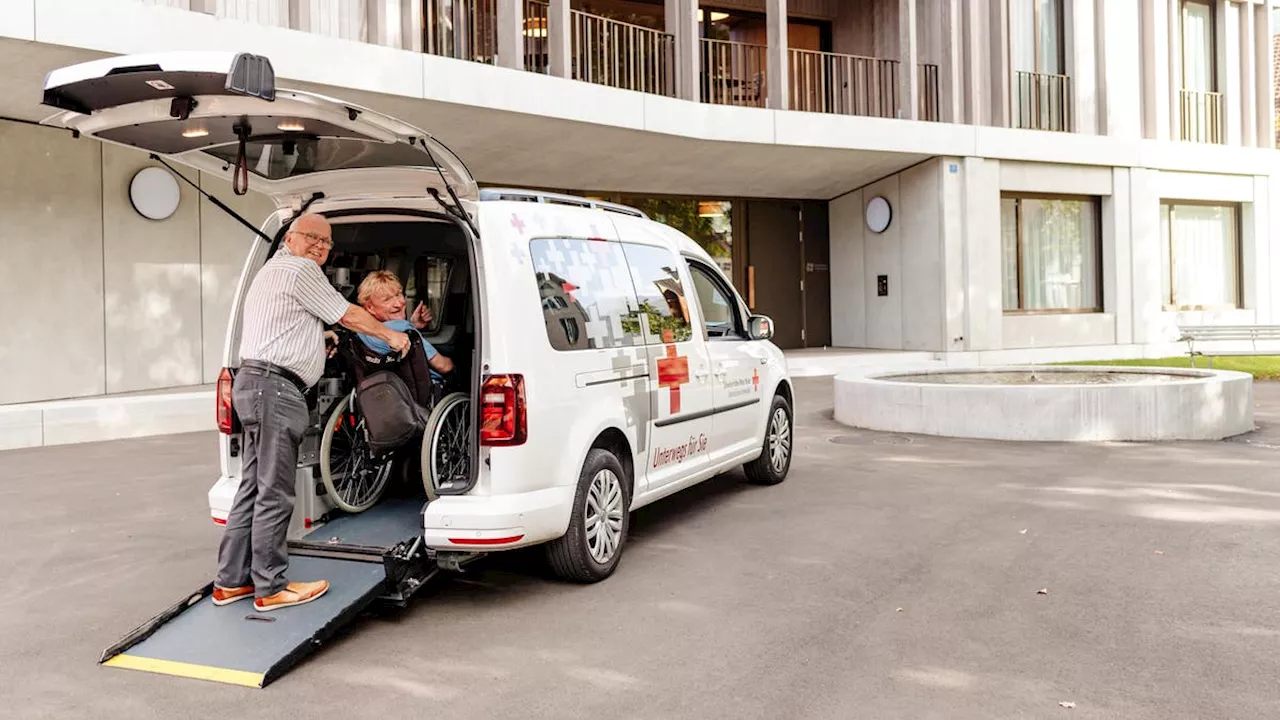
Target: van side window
[[655, 273], [588, 302], [719, 311]]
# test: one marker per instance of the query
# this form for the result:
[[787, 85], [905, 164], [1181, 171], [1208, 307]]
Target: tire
[[346, 444], [774, 462], [574, 556], [454, 404]]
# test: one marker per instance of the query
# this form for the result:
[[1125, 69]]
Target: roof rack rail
[[495, 194]]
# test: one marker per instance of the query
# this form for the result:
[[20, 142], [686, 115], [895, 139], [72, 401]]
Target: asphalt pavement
[[888, 577]]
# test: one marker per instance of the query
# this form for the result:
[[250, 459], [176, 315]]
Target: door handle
[[700, 374]]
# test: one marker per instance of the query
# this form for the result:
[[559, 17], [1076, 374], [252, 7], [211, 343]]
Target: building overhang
[[522, 128]]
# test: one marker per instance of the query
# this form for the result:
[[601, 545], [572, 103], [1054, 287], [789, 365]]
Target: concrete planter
[[1163, 404]]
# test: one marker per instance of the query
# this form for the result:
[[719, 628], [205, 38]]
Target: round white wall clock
[[154, 193], [879, 214]]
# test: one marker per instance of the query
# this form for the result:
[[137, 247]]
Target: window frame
[[1212, 70], [1099, 300], [1036, 22], [740, 331], [1169, 304]]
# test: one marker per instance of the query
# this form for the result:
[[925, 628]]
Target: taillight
[[226, 419], [502, 412]]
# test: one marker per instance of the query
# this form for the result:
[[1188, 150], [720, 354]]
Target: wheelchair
[[356, 466]]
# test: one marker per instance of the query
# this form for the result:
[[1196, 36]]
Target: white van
[[603, 360]]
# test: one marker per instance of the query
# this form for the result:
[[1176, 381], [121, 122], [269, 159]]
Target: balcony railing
[[734, 73], [843, 84], [463, 29], [621, 55], [1201, 117], [930, 98], [537, 47], [1041, 101]]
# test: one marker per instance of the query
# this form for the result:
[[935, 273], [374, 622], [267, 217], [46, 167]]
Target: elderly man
[[282, 351], [383, 296]]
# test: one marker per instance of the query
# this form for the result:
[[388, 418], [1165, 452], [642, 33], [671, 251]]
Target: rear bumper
[[221, 496], [497, 522]]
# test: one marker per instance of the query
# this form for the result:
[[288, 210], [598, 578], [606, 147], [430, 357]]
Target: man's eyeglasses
[[315, 239]]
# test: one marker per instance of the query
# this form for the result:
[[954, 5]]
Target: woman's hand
[[421, 316]]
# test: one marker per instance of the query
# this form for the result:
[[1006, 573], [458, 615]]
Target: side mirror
[[761, 327]]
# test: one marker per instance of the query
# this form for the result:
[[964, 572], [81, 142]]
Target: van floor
[[382, 526]]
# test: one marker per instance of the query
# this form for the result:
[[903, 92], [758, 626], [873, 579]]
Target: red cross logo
[[673, 371], [517, 223], [755, 380]]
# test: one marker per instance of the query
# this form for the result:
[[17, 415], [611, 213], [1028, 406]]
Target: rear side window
[[588, 302], [655, 272]]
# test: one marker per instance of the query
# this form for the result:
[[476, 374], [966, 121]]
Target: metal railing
[[537, 47], [463, 29], [843, 84], [621, 55], [1041, 101], [734, 73], [1201, 117], [930, 107]]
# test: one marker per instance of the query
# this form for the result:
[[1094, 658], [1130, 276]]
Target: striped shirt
[[285, 311]]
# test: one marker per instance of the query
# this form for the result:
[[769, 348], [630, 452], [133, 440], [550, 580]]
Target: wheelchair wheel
[[354, 477], [446, 444]]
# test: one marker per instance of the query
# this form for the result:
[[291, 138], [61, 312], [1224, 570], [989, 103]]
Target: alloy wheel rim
[[779, 441], [603, 516]]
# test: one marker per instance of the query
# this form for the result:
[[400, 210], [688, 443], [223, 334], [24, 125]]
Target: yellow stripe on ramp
[[187, 670]]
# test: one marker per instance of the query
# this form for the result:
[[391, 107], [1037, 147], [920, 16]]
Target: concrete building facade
[[980, 180]]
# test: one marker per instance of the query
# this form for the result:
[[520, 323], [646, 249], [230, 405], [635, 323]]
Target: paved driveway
[[888, 577]]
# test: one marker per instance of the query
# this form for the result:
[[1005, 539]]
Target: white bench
[[1226, 333]]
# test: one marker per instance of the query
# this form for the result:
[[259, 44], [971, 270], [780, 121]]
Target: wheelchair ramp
[[238, 645]]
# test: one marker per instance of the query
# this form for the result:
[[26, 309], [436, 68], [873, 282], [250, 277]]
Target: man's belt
[[278, 370]]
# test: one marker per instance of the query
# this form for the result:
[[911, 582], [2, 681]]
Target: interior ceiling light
[[715, 16], [195, 133], [290, 127], [710, 208]]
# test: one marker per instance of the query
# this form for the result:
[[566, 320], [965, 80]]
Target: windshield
[[277, 158]]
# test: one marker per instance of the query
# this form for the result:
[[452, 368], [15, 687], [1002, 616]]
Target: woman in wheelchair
[[394, 401]]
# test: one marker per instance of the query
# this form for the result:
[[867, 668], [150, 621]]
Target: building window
[[1201, 104], [1051, 251], [1200, 256], [1041, 88]]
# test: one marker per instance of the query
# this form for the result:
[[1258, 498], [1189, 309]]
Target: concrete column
[[909, 70], [998, 77], [779, 55], [682, 24], [1248, 101], [1155, 69], [511, 35], [560, 39], [1118, 26], [411, 17], [1175, 69], [976, 62], [383, 20], [1226, 34], [1082, 65], [951, 66], [1264, 77]]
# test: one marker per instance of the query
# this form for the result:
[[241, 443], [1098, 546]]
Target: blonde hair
[[375, 280]]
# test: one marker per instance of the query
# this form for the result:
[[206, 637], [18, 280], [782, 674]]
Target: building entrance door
[[775, 262]]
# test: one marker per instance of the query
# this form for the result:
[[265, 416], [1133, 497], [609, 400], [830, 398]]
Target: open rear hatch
[[223, 114]]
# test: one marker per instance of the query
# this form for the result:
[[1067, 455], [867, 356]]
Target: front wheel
[[775, 457], [591, 548]]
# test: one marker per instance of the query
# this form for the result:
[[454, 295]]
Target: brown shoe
[[226, 596], [295, 593]]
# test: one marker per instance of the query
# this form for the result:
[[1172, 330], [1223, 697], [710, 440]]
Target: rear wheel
[[353, 476], [775, 458], [591, 548], [446, 444]]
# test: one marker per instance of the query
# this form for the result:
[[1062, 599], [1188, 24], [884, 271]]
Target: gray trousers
[[254, 548]]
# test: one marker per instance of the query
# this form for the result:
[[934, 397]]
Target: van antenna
[[456, 210]]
